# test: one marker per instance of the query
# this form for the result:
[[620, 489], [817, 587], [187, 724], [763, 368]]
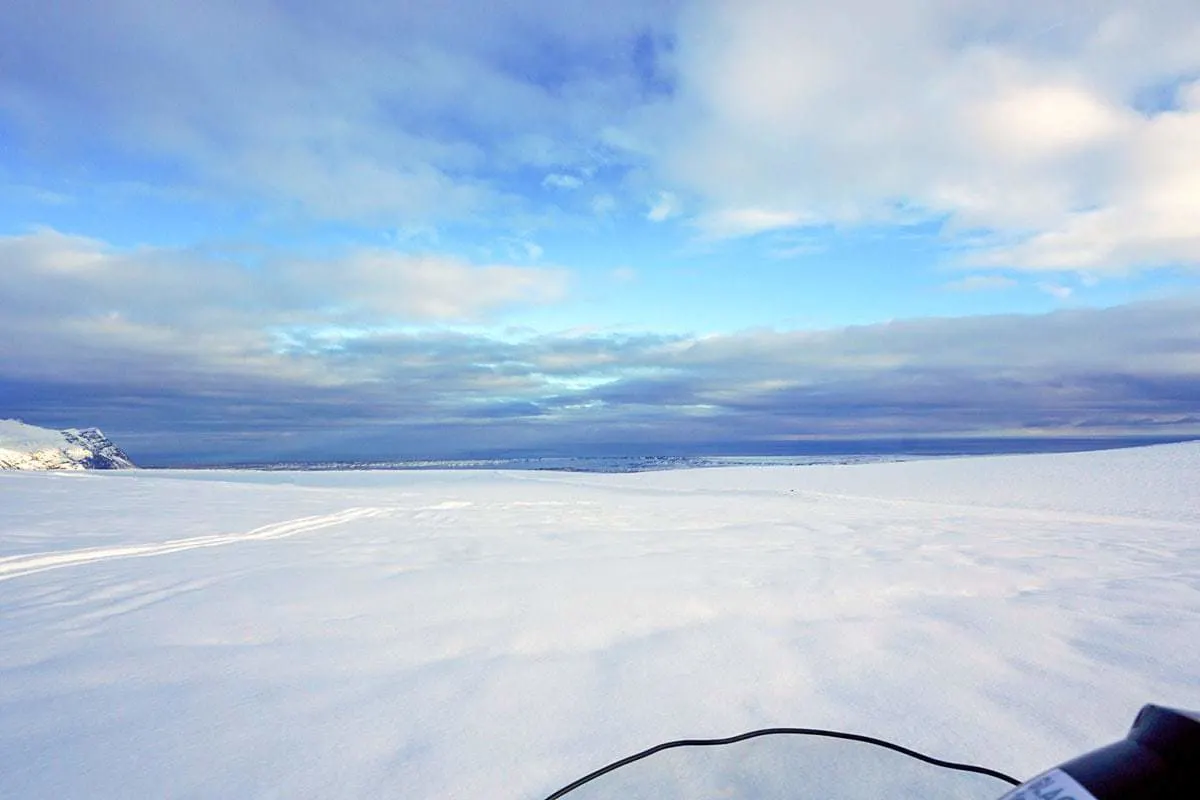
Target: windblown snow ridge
[[29, 447]]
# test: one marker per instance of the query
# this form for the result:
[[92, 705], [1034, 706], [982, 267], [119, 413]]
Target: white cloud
[[389, 115], [1016, 117], [380, 285], [665, 207], [1148, 215], [557, 180], [603, 204], [1056, 290], [1027, 123], [516, 248], [189, 337], [733, 222], [71, 304]]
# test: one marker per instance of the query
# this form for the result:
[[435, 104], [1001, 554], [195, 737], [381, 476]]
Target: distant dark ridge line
[[634, 464], [801, 454]]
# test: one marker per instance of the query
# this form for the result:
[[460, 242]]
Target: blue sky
[[249, 230]]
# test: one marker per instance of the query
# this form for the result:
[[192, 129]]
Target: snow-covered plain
[[497, 634]]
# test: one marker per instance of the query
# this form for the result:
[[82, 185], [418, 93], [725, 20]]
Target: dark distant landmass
[[715, 455]]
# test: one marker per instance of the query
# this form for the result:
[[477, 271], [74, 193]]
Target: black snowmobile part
[[818, 732]]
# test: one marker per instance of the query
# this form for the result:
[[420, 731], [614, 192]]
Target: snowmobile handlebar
[[1159, 759]]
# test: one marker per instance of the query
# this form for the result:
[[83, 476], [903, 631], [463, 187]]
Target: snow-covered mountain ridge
[[28, 447]]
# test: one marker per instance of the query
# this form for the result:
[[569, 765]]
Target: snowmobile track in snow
[[16, 566]]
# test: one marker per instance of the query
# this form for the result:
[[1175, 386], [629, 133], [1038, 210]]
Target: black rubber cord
[[853, 737]]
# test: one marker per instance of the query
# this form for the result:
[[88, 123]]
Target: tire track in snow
[[17, 566]]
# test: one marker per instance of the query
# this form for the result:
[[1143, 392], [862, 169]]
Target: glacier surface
[[476, 634]]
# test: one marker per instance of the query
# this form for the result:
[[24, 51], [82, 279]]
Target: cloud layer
[[268, 362], [72, 306], [1066, 134], [395, 114], [1057, 140]]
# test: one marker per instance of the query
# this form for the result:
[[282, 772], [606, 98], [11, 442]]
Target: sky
[[242, 231]]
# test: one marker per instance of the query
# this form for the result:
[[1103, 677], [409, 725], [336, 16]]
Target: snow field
[[492, 635]]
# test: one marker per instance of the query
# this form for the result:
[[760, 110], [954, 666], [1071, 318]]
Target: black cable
[[853, 737]]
